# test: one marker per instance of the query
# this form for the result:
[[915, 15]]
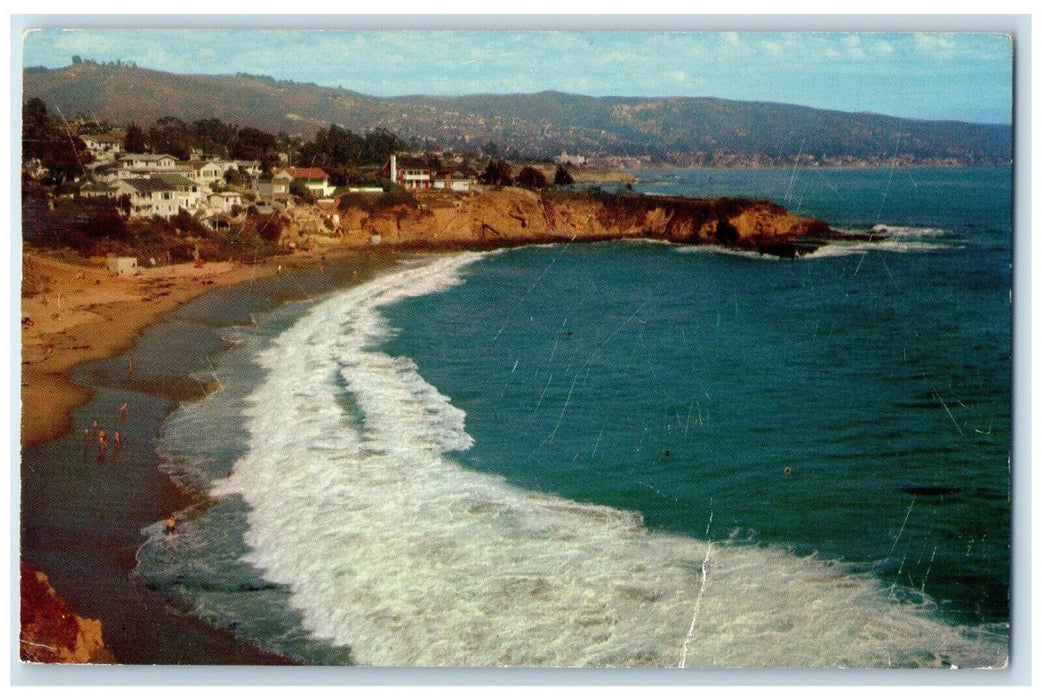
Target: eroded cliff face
[[512, 216], [51, 632]]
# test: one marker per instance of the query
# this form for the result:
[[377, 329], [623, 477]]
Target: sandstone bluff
[[510, 216]]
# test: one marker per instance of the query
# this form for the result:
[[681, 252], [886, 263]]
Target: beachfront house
[[105, 148], [316, 180], [149, 163], [571, 161], [410, 173], [277, 187], [223, 202], [210, 172], [162, 195], [95, 188], [453, 180]]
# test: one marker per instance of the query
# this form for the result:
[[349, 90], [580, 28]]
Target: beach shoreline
[[79, 314]]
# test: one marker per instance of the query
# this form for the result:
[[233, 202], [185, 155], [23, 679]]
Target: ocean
[[620, 454]]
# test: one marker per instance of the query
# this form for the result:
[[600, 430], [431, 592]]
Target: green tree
[[61, 152], [562, 176], [531, 178], [214, 136], [497, 172], [134, 141], [254, 144], [171, 135], [299, 188]]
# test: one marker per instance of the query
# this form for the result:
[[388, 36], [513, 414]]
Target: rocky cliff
[[512, 216], [51, 632]]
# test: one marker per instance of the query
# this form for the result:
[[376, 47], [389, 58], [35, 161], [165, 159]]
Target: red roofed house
[[316, 180]]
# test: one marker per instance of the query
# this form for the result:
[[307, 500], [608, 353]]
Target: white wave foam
[[908, 231], [835, 249], [389, 546], [703, 248]]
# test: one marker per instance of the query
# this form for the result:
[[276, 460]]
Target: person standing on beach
[[123, 411], [102, 444], [117, 440]]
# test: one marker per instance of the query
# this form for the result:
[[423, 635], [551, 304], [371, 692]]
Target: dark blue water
[[855, 403]]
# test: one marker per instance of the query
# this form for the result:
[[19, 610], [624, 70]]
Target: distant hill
[[684, 130]]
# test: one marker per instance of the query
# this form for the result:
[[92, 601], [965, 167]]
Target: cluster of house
[[161, 185]]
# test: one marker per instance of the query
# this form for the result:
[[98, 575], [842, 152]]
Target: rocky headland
[[510, 216]]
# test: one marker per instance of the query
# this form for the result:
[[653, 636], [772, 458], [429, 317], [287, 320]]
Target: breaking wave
[[387, 545]]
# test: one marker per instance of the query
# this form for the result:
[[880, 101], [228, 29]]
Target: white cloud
[[936, 44], [771, 47], [881, 48]]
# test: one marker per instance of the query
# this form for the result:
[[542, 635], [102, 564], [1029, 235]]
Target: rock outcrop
[[51, 632], [513, 216]]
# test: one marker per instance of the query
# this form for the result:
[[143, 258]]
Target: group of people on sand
[[96, 433]]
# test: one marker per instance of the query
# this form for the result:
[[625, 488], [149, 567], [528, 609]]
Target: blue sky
[[964, 76]]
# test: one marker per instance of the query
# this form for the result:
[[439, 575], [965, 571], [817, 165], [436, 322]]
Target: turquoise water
[[628, 453]]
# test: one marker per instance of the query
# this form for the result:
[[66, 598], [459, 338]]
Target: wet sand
[[81, 516]]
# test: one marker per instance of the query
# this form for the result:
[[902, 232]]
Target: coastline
[[80, 525]]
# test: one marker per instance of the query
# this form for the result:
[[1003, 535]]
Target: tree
[[299, 188], [134, 141], [170, 135], [497, 172], [562, 176], [213, 135], [531, 178], [61, 152], [254, 144]]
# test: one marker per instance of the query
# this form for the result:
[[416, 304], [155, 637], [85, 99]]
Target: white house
[[410, 173], [316, 179], [223, 202], [154, 162], [210, 172], [161, 195], [104, 147], [575, 161], [454, 180]]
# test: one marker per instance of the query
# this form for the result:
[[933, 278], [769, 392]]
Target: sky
[[966, 76]]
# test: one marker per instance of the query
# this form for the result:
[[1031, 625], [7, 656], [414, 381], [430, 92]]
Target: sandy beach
[[78, 516], [73, 313]]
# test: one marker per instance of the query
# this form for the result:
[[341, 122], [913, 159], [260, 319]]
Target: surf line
[[701, 591]]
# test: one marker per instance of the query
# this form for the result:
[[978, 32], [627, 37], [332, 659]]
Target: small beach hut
[[122, 266]]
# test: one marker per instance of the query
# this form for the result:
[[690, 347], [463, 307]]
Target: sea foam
[[389, 546]]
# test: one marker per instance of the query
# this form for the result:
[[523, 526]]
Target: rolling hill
[[684, 130]]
